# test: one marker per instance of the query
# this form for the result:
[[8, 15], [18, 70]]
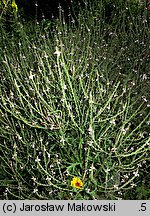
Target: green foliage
[[74, 103], [113, 10], [8, 17], [7, 7]]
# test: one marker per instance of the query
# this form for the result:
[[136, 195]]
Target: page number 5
[[143, 207]]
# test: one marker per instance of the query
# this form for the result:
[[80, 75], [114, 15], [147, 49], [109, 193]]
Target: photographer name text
[[71, 207]]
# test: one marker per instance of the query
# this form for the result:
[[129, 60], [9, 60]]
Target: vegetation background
[[74, 91]]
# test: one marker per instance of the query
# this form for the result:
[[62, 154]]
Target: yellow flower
[[77, 183], [9, 5], [14, 5]]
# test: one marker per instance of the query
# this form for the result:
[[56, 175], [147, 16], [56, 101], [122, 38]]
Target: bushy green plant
[[8, 17], [74, 104], [113, 10]]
